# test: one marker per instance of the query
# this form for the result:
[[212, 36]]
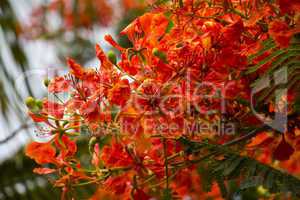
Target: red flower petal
[[259, 139], [120, 93], [43, 170], [105, 63], [140, 195], [42, 153], [279, 31], [288, 6], [37, 117], [283, 151], [76, 69], [59, 84], [111, 41], [54, 109], [67, 146]]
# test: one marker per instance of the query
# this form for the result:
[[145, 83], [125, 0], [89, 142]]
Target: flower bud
[[39, 104], [262, 191], [112, 57], [155, 52], [46, 82], [30, 102], [161, 55]]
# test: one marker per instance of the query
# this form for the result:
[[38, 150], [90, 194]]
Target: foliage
[[20, 183], [176, 112], [251, 173]]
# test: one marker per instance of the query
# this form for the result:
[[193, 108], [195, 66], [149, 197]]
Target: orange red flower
[[42, 153], [186, 72]]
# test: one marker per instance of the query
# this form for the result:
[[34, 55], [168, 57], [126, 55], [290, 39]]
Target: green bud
[[39, 104], [30, 102], [112, 57], [161, 55], [263, 191], [46, 82], [155, 52]]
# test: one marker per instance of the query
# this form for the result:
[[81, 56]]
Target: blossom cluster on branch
[[75, 15], [189, 74]]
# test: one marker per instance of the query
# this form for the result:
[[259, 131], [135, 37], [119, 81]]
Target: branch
[[249, 135], [15, 132]]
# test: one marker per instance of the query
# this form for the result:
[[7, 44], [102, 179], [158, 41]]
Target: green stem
[[166, 162]]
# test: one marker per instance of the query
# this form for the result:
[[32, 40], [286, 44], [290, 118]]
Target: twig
[[245, 137], [15, 132], [166, 162]]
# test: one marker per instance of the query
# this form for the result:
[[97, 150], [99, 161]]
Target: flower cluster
[[184, 76], [74, 15]]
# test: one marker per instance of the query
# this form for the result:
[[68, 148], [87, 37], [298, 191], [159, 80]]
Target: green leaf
[[167, 194], [222, 187], [267, 45], [190, 147], [265, 61], [292, 64], [252, 168], [270, 180], [114, 112], [159, 2], [245, 167], [206, 177], [233, 166], [290, 54], [170, 26], [296, 105], [250, 182], [104, 140]]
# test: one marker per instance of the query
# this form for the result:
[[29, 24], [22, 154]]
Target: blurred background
[[36, 36]]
